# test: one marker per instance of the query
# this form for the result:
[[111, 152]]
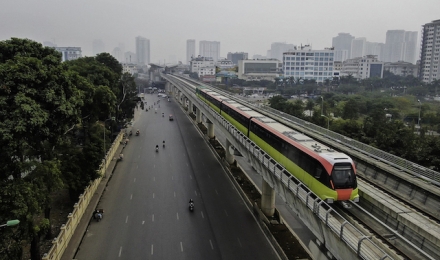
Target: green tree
[[39, 104]]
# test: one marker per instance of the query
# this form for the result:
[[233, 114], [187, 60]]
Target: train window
[[318, 172], [343, 176]]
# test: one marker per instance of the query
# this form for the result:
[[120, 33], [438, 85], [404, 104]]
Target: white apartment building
[[309, 64], [402, 68], [363, 67], [190, 50], [209, 49], [69, 53], [204, 67], [257, 70], [129, 68], [430, 52], [142, 50]]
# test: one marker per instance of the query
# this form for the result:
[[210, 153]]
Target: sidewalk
[[81, 229]]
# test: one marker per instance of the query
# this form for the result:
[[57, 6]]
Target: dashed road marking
[[126, 219], [239, 242], [181, 247], [177, 216], [203, 216], [226, 213], [216, 191], [151, 249], [131, 196], [212, 246], [120, 251]]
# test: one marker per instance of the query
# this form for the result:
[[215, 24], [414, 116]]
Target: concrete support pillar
[[190, 106], [267, 199], [179, 97], [228, 155], [198, 116], [210, 129]]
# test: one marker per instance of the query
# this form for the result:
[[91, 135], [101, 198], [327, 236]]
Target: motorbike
[[163, 115], [191, 206], [99, 213], [121, 156], [137, 132], [131, 133], [157, 148]]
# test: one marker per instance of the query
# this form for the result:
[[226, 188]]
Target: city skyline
[[247, 30]]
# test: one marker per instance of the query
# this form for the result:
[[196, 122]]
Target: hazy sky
[[240, 25]]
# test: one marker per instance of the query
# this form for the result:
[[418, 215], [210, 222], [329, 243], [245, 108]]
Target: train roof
[[312, 145]]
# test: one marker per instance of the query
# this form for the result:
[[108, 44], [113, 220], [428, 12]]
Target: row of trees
[[384, 122], [51, 124]]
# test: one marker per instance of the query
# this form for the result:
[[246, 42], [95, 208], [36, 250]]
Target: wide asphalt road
[[146, 202]]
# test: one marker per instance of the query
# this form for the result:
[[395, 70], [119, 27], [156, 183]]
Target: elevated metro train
[[329, 174]]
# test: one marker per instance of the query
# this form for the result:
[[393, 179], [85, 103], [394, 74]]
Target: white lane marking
[[174, 194], [151, 249], [172, 177], [152, 218], [226, 213], [143, 222], [239, 242], [134, 180], [195, 192], [202, 214], [131, 196], [126, 219], [139, 156], [216, 191], [154, 165], [181, 247], [153, 195], [212, 247], [137, 166], [209, 176], [187, 164], [120, 251], [154, 178], [177, 215], [190, 177]]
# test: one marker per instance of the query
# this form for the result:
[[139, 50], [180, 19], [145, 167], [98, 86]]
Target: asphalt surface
[[146, 201]]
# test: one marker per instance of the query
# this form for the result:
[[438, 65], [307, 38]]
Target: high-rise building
[[117, 53], [400, 46], [358, 46], [142, 50], [210, 49], [236, 56], [278, 48], [130, 57], [410, 54], [98, 47], [340, 43], [430, 52], [190, 50], [374, 48]]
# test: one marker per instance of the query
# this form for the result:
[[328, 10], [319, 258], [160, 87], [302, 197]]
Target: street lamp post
[[420, 108], [322, 112], [10, 223]]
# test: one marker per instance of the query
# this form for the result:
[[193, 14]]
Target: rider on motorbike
[[163, 143], [157, 147]]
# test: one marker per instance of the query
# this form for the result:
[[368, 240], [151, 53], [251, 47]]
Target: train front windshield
[[343, 176]]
